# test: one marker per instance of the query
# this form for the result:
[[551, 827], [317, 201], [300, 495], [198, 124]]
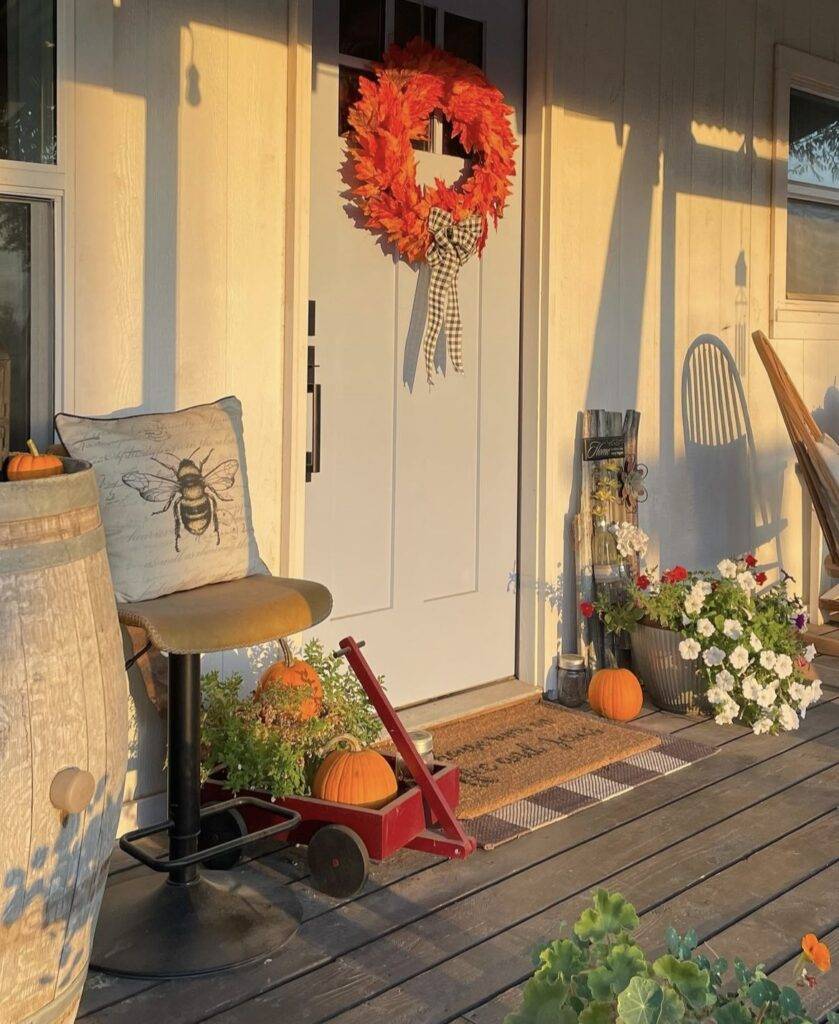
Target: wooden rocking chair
[[821, 485]]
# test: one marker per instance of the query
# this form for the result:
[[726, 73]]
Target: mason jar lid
[[573, 662]]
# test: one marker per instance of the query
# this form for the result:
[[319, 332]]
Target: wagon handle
[[350, 649], [344, 649]]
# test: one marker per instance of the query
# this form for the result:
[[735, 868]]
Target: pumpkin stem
[[33, 448], [353, 742], [288, 657]]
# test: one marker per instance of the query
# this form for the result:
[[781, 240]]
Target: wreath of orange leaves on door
[[411, 84]]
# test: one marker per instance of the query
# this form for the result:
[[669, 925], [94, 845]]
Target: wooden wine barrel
[[63, 738]]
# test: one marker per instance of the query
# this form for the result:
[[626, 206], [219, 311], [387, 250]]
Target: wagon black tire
[[338, 861], [219, 828]]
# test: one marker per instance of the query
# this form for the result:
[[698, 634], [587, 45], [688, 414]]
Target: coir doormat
[[529, 764], [511, 752]]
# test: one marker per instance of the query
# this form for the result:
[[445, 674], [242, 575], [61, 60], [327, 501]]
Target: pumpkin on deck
[[294, 675], [615, 693], [357, 776], [32, 465]]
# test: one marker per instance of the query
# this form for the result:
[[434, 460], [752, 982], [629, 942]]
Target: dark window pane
[[464, 37], [812, 250], [813, 139], [348, 93], [27, 81], [451, 145], [27, 317], [412, 20], [361, 29]]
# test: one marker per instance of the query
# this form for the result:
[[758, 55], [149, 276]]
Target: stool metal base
[[150, 927]]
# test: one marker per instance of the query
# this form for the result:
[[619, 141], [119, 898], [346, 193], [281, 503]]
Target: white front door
[[411, 519]]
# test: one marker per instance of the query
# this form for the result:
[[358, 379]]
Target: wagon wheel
[[219, 828], [338, 861]]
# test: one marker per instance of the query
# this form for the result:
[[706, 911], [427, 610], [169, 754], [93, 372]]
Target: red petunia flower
[[750, 560], [587, 608], [675, 575], [760, 578], [642, 582]]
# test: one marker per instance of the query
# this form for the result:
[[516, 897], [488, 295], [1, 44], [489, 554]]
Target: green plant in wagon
[[272, 740], [599, 974], [745, 637]]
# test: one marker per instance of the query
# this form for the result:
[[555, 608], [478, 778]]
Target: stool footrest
[[128, 842]]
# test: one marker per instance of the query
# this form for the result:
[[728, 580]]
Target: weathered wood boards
[[62, 706], [609, 447]]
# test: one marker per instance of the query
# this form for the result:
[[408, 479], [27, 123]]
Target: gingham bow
[[452, 243]]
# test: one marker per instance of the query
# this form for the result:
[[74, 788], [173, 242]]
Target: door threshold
[[485, 697]]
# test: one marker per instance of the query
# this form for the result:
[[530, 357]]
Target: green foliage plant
[[259, 743], [600, 975]]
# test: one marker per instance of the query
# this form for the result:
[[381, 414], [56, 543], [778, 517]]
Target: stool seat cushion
[[236, 613]]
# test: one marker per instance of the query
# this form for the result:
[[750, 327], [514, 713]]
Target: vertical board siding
[[661, 236], [179, 218]]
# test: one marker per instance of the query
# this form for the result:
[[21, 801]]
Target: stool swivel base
[[175, 921]]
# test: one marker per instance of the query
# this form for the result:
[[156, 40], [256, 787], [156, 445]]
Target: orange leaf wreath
[[412, 82]]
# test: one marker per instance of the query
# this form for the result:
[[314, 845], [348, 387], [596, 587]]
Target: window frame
[[817, 77], [21, 179]]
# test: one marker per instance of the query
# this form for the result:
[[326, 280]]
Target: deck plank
[[412, 889], [460, 983]]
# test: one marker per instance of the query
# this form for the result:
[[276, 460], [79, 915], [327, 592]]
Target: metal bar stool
[[175, 921]]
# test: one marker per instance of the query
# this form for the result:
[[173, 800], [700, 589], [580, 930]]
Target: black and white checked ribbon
[[452, 243]]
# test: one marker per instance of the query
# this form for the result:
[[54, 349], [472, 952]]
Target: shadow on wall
[[725, 495], [827, 415], [50, 905]]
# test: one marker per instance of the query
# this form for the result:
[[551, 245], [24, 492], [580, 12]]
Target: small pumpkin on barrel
[[32, 465], [615, 693], [358, 776]]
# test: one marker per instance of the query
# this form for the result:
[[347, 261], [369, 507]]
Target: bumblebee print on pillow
[[174, 496]]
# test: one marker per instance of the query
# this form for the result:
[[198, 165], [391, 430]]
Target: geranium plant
[[600, 975], [745, 637], [259, 742]]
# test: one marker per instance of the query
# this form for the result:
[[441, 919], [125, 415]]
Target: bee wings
[[151, 488], [223, 476]]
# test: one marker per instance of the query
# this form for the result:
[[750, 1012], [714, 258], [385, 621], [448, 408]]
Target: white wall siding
[[661, 179]]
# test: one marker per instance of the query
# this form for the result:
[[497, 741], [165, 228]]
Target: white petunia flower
[[754, 643], [783, 666], [702, 588], [767, 660], [705, 627], [727, 713], [713, 656], [763, 724], [727, 569], [716, 695], [788, 718], [798, 691], [725, 680], [815, 691], [767, 696], [732, 629], [693, 606], [751, 688], [739, 657], [689, 649], [810, 652], [746, 582]]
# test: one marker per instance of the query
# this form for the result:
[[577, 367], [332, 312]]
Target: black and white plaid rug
[[550, 805]]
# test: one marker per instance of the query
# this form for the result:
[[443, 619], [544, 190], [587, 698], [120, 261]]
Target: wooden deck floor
[[743, 846]]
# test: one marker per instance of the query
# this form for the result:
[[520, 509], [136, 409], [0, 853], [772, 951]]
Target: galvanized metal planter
[[670, 682]]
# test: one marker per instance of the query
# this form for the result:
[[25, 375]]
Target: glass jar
[[571, 680], [424, 743]]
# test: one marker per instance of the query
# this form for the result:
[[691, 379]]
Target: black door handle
[[313, 389]]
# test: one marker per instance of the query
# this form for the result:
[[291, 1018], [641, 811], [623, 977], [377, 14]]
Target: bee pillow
[[173, 490]]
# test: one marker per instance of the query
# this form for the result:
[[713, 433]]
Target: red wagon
[[341, 838]]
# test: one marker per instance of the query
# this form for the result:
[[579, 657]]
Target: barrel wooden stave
[[62, 704]]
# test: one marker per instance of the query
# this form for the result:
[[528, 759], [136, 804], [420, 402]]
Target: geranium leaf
[[597, 1013], [561, 959], [610, 915], [644, 1001], [687, 978], [622, 964], [732, 1013]]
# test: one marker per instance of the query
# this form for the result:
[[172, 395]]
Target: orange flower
[[816, 952]]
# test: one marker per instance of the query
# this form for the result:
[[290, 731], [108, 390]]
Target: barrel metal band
[[44, 556]]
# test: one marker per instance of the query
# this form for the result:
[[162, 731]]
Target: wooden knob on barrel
[[72, 790]]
